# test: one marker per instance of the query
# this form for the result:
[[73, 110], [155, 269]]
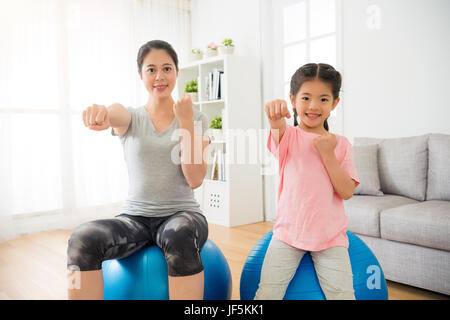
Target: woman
[[163, 149]]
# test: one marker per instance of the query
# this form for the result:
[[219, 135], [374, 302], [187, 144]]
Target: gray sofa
[[401, 209]]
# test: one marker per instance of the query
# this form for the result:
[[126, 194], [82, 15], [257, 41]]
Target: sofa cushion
[[426, 224], [402, 164], [363, 212], [363, 141], [438, 167], [366, 165]]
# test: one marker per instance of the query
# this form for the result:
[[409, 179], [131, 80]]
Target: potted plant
[[196, 54], [227, 46], [216, 126], [191, 89], [211, 50]]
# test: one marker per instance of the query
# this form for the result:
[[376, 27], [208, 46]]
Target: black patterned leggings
[[180, 237]]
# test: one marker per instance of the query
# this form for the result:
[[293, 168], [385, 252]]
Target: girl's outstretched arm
[[276, 111]]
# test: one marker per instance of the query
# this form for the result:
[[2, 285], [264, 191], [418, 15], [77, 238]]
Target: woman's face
[[314, 103], [159, 73]]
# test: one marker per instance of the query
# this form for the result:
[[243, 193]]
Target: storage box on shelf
[[235, 198]]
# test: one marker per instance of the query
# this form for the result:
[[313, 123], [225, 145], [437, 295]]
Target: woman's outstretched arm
[[193, 155], [98, 117]]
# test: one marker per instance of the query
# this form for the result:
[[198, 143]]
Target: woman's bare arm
[[119, 118]]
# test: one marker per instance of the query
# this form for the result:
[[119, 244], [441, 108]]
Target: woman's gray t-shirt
[[157, 186]]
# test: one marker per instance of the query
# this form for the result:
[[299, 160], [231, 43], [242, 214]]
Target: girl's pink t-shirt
[[310, 214]]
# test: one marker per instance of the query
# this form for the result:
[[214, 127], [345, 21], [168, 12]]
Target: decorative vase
[[210, 53], [226, 50], [194, 96], [195, 56], [217, 134]]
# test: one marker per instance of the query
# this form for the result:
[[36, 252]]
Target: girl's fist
[[96, 117], [277, 109], [326, 143]]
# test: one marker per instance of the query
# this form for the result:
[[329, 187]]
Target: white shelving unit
[[238, 199]]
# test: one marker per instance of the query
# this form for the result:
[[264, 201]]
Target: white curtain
[[56, 58]]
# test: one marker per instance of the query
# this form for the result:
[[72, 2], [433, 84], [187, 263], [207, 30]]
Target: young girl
[[316, 174]]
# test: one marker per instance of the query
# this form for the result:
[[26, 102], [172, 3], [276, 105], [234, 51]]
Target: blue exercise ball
[[144, 276], [368, 278]]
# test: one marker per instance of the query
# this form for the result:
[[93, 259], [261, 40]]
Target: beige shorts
[[332, 267]]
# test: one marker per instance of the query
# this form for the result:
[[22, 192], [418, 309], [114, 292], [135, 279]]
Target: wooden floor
[[34, 266]]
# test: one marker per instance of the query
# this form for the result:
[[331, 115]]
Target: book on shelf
[[221, 82], [218, 166], [222, 155], [214, 175], [214, 83]]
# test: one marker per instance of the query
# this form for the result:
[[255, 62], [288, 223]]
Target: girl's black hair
[[311, 71], [156, 44]]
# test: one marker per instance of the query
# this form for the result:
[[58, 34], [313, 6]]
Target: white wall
[[396, 79], [214, 20]]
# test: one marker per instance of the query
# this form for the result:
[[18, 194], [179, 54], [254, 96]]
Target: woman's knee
[[181, 240], [84, 247]]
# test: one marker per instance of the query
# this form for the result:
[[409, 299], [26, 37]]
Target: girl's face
[[159, 74], [314, 103]]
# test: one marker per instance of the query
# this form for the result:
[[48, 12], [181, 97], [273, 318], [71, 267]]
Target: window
[[58, 57], [301, 31], [308, 33]]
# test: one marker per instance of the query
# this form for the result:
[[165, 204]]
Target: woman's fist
[[183, 109], [277, 109], [96, 117]]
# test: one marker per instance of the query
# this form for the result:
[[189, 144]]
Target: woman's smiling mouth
[[160, 87]]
